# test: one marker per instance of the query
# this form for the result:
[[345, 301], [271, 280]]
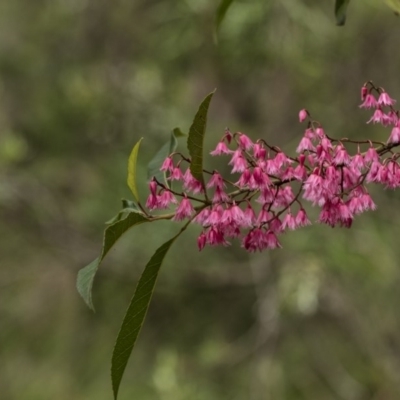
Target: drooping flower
[[184, 210]]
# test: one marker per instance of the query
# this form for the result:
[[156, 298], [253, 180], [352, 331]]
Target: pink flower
[[249, 217], [216, 180], [302, 219], [357, 162], [385, 100], [176, 174], [395, 135], [272, 240], [221, 148], [202, 217], [289, 222], [244, 179], [216, 237], [259, 179], [215, 215], [369, 102], [220, 196], [244, 142], [152, 202], [378, 117], [255, 240], [371, 155], [165, 199], [191, 184], [305, 144], [259, 151], [303, 115], [184, 210], [167, 165], [238, 162], [341, 156]]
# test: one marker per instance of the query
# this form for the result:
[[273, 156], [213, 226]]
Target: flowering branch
[[326, 173]]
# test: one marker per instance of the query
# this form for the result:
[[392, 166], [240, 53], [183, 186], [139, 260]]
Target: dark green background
[[80, 82]]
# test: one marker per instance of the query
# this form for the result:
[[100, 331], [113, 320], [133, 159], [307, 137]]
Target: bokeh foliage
[[81, 82]]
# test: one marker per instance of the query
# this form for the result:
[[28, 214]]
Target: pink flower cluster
[[264, 196]]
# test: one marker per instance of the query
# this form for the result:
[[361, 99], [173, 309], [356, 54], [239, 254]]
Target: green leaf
[[153, 168], [112, 233], [221, 12], [196, 139], [340, 11], [132, 169], [394, 5], [135, 315], [127, 207]]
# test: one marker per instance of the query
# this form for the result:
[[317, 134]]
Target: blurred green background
[[80, 82]]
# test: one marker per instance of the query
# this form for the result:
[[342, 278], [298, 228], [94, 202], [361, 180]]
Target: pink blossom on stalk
[[176, 174], [167, 165], [152, 200], [216, 180], [272, 241], [263, 217], [221, 148], [302, 219], [385, 100], [184, 210], [374, 174], [369, 102], [320, 132], [289, 222], [357, 162], [378, 117], [165, 199], [300, 173], [191, 184], [395, 134], [220, 196], [215, 215], [305, 144], [238, 162], [284, 196], [249, 217], [244, 179], [371, 155], [341, 156], [255, 240], [244, 142], [303, 115], [202, 217], [275, 225], [259, 151], [216, 237], [392, 117], [259, 179], [281, 159]]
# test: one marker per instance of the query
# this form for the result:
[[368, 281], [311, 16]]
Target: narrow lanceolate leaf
[[196, 139], [221, 12], [340, 11], [113, 232], [132, 169], [135, 315], [153, 168], [394, 5]]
